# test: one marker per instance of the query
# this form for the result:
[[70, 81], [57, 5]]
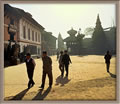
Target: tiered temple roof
[[72, 37]]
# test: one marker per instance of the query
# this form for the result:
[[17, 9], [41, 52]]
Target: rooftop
[[21, 13]]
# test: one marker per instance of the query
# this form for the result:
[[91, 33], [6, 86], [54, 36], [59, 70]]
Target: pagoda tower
[[71, 41]]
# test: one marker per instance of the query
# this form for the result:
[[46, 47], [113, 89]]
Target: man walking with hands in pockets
[[47, 69]]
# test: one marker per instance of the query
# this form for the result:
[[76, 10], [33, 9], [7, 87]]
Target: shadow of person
[[61, 80], [112, 75], [40, 95], [20, 95]]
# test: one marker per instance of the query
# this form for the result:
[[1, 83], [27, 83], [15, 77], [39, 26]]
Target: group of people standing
[[64, 61]]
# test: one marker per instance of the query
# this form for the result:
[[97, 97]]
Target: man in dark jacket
[[47, 69], [30, 64], [66, 61], [107, 58]]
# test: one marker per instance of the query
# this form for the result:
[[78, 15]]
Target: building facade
[[29, 37], [49, 43], [11, 25], [29, 34], [28, 31], [22, 34], [11, 33]]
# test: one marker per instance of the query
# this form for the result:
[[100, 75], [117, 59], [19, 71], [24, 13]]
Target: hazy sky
[[61, 17]]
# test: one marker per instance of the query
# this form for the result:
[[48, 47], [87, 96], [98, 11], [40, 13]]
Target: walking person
[[30, 64], [47, 69], [61, 67], [107, 58], [57, 56], [66, 61]]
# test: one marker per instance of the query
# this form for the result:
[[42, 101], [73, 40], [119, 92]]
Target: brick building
[[23, 30]]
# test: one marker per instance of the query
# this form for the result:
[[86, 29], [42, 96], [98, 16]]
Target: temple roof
[[72, 32], [70, 39]]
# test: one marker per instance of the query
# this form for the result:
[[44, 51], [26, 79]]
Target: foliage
[[100, 44], [89, 31]]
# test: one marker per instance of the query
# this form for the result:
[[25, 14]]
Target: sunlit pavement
[[87, 80]]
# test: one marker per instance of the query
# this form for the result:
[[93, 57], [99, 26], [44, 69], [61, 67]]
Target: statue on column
[[13, 47]]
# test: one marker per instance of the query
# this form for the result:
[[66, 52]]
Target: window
[[32, 35], [36, 36], [11, 21], [28, 34], [24, 32], [23, 47]]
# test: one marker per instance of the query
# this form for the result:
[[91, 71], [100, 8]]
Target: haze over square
[[59, 51]]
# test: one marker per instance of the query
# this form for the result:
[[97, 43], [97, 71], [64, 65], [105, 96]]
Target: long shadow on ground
[[112, 75], [99, 83], [79, 86], [19, 96], [41, 95], [62, 80]]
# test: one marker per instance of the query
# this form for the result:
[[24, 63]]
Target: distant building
[[27, 31], [49, 43], [87, 46], [73, 42], [111, 38]]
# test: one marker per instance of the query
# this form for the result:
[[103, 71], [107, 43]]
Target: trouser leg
[[108, 65], [30, 76], [60, 67], [32, 81], [43, 79], [66, 68], [63, 67], [50, 76]]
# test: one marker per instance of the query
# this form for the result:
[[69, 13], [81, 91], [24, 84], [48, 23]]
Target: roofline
[[25, 15]]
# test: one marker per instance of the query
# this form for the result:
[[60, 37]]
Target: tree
[[99, 40], [89, 31]]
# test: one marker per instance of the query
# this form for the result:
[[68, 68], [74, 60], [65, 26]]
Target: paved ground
[[88, 80]]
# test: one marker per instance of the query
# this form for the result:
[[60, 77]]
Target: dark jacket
[[107, 58], [29, 64], [66, 59]]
